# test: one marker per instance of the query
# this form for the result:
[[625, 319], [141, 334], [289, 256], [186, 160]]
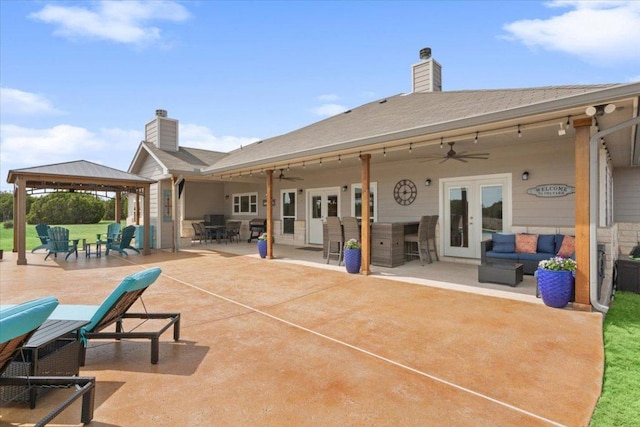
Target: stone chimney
[[427, 74], [162, 132]]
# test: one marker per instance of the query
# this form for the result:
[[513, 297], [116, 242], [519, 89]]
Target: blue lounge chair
[[124, 242], [43, 235], [59, 242], [17, 325], [114, 310]]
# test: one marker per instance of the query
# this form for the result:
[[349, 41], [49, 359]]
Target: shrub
[[8, 224], [66, 208]]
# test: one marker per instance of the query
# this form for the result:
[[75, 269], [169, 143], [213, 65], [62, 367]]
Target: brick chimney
[[162, 132], [427, 74]]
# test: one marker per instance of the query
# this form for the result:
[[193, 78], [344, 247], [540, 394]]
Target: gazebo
[[81, 176]]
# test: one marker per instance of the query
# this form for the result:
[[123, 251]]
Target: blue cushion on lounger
[[22, 318]]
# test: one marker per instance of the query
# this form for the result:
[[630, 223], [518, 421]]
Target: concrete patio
[[293, 341]]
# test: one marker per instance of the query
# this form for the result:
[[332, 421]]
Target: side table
[[503, 273], [98, 249], [53, 350]]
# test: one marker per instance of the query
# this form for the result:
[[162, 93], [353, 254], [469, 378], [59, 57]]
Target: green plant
[[263, 236], [558, 264], [352, 244], [8, 224]]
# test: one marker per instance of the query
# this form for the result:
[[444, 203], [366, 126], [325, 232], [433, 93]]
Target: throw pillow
[[568, 247], [526, 243], [546, 243], [503, 243]]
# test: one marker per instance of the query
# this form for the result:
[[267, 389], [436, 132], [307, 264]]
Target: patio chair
[[232, 231], [416, 244], [17, 325], [59, 242], [335, 239], [351, 228], [114, 310], [431, 237], [199, 231], [113, 231], [43, 234], [124, 242]]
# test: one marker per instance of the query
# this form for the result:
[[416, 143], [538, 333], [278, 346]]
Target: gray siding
[[626, 193], [163, 133], [203, 198]]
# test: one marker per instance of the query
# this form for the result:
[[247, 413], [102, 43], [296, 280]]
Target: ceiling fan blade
[[474, 157], [460, 159]]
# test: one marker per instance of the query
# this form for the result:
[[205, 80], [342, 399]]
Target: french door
[[322, 203], [472, 209]]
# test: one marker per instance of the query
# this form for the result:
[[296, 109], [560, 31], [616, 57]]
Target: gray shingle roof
[[396, 114], [81, 168], [185, 159]]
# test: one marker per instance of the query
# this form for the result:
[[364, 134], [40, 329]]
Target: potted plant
[[262, 245], [556, 278], [352, 256]]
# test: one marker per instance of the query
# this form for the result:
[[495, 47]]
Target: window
[[288, 211], [246, 203], [356, 200]]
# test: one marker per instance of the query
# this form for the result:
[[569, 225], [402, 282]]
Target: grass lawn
[[76, 231], [619, 404]]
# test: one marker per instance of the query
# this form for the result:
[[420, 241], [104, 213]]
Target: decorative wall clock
[[405, 192]]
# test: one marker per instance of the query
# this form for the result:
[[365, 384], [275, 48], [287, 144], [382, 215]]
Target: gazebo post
[[19, 220]]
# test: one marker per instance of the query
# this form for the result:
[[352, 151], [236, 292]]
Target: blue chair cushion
[[132, 282], [547, 243], [22, 318], [504, 243]]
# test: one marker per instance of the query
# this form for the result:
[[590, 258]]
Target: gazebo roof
[[78, 175]]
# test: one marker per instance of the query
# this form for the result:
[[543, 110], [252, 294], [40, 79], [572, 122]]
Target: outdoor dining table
[[218, 229]]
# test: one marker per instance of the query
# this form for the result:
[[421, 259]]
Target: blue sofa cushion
[[547, 243], [503, 255], [535, 257], [504, 243]]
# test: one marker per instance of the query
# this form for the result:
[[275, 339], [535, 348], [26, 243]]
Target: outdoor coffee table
[[504, 273], [53, 350]]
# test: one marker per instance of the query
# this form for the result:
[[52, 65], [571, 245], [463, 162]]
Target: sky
[[79, 80]]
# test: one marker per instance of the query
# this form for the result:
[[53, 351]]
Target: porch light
[[427, 182], [599, 110], [525, 176], [344, 188]]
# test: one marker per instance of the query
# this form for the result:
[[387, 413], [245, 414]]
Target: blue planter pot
[[555, 287], [262, 248], [352, 260]]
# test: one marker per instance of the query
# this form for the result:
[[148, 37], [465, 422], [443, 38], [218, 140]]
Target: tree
[[6, 205], [110, 208], [66, 208]]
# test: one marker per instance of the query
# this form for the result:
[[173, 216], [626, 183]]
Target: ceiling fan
[[281, 177], [462, 156]]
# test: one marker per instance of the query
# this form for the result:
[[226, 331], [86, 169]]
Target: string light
[[411, 147], [519, 132], [320, 161], [303, 165], [339, 159], [475, 140], [287, 167], [441, 141], [384, 152]]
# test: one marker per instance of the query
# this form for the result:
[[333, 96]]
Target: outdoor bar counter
[[387, 242]]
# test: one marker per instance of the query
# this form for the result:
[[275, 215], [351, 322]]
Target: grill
[[257, 226]]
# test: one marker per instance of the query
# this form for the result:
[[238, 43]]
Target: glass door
[[322, 203], [474, 208]]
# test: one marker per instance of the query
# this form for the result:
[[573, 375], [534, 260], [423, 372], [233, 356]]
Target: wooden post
[[147, 219], [582, 217], [365, 226], [269, 214], [20, 219]]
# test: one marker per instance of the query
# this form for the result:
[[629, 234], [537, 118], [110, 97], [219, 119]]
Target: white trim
[[373, 188]]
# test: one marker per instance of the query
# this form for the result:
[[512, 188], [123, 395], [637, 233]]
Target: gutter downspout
[[593, 208]]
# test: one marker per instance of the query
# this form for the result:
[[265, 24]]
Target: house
[[559, 159]]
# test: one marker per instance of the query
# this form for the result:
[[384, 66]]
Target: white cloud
[[23, 147], [598, 32], [328, 110], [17, 102], [120, 21], [197, 136], [328, 97]]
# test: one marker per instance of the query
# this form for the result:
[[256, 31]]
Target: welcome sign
[[551, 190]]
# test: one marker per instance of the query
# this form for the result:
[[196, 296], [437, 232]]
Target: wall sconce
[[344, 188], [427, 182], [525, 176], [300, 190], [264, 202], [226, 197]]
